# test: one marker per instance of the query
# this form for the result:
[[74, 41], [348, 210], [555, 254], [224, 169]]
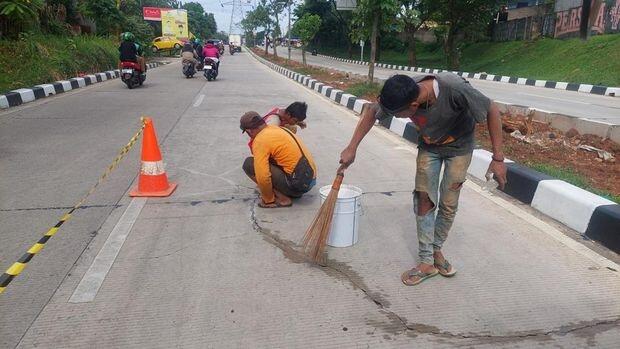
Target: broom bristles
[[315, 238]]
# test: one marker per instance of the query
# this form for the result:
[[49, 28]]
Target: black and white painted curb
[[570, 86], [591, 215], [25, 95]]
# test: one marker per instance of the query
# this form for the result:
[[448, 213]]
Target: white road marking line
[[87, 289], [555, 98], [199, 101]]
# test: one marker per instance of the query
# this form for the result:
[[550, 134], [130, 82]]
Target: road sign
[[346, 5]]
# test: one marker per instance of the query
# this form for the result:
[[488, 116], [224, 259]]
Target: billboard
[[173, 21]]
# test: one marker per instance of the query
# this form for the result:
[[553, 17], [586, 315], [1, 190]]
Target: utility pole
[[289, 29]]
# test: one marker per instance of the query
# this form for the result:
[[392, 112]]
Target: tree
[[23, 12], [335, 25], [200, 23], [260, 18], [306, 28], [462, 18], [413, 14], [275, 8], [368, 18], [105, 14]]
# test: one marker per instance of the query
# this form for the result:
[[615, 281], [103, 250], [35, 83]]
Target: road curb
[[558, 85], [593, 216], [25, 95]]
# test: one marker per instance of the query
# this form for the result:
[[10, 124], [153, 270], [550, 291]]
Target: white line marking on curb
[[199, 100], [87, 290], [545, 228]]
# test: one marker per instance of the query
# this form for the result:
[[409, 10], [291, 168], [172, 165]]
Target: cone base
[[163, 193]]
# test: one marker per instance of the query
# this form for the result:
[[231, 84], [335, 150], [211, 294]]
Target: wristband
[[497, 160]]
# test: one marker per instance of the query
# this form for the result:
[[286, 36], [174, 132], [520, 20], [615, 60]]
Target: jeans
[[278, 178], [434, 225]]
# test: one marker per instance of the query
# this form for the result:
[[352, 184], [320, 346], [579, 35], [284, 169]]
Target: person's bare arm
[[497, 165], [367, 120]]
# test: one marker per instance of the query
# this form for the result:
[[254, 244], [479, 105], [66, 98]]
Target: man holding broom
[[444, 109]]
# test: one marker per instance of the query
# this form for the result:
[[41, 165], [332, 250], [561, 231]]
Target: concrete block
[[490, 77], [480, 161], [541, 115], [540, 83], [522, 182], [585, 88], [521, 81], [398, 126], [563, 122], [4, 103], [332, 94], [614, 133], [604, 226], [561, 85], [48, 89], [593, 127], [567, 203], [502, 106], [359, 104], [345, 99], [26, 94], [505, 79], [613, 91]]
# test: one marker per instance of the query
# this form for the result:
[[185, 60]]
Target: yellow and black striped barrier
[[19, 266]]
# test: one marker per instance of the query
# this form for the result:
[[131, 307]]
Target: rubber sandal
[[289, 205], [444, 267], [419, 276]]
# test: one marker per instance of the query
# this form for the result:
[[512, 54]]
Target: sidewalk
[[208, 268]]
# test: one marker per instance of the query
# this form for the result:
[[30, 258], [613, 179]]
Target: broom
[[315, 239]]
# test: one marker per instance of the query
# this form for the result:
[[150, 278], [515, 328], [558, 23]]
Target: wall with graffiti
[[604, 18]]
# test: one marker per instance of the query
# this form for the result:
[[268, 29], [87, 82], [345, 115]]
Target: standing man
[[445, 109], [281, 164]]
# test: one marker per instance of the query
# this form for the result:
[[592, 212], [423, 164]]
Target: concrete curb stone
[[591, 215], [26, 95]]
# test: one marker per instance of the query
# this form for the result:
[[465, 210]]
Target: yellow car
[[166, 43]]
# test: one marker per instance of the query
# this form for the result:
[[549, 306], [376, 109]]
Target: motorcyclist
[[211, 51], [130, 51], [188, 54], [198, 49]]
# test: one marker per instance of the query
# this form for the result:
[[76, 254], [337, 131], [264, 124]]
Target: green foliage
[[201, 24], [306, 28], [105, 14], [22, 10], [37, 58], [139, 28], [334, 30], [369, 10], [364, 88]]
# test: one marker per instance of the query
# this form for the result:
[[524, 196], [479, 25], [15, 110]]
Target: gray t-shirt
[[447, 126]]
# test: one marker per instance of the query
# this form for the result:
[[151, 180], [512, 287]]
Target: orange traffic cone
[[153, 180]]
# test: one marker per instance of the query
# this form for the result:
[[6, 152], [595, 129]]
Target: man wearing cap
[[445, 109], [281, 164]]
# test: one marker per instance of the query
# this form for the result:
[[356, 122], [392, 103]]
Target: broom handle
[[338, 181]]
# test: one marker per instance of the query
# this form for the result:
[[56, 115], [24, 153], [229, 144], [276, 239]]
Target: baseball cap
[[250, 120]]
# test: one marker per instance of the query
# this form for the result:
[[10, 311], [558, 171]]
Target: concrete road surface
[[207, 268], [577, 104]]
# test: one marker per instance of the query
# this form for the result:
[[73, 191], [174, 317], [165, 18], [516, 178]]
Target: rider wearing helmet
[[130, 50], [198, 49], [188, 54], [211, 51]]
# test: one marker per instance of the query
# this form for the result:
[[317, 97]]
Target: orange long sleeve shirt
[[276, 144]]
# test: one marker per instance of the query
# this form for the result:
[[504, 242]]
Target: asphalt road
[[582, 105], [207, 268]]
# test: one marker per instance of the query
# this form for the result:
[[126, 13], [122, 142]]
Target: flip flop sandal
[[444, 267], [289, 205], [414, 276]]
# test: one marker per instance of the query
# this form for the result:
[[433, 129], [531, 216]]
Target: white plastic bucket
[[346, 219]]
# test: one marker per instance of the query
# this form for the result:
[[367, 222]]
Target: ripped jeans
[[433, 228]]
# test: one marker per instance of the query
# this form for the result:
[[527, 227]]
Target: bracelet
[[494, 159]]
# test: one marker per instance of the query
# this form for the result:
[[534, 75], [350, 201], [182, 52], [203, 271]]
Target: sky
[[222, 14]]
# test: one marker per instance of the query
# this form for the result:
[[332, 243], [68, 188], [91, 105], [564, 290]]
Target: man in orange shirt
[[282, 166]]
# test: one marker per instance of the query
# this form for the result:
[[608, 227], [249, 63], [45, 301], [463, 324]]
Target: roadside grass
[[596, 61], [364, 89], [39, 59], [570, 176]]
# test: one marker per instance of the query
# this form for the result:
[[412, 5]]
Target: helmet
[[127, 36]]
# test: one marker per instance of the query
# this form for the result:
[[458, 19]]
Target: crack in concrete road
[[83, 207], [344, 271]]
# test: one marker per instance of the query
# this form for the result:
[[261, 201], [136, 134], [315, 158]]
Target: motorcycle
[[189, 69], [210, 69], [131, 74], [232, 49]]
